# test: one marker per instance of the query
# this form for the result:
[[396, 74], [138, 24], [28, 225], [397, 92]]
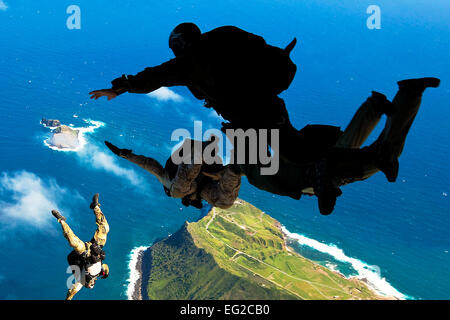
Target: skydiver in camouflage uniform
[[86, 257]]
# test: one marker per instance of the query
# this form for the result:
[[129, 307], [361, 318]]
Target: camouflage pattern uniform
[[221, 191], [84, 248]]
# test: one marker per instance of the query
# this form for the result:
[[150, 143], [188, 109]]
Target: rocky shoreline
[[354, 278], [137, 293], [136, 274], [50, 123], [63, 137]]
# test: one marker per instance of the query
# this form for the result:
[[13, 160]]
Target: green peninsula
[[238, 253]]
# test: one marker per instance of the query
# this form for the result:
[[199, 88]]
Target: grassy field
[[181, 270], [239, 253], [247, 242]]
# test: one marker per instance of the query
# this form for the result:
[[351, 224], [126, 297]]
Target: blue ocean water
[[47, 70]]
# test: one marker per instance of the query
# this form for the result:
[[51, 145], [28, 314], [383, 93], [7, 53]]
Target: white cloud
[[165, 94], [3, 5], [98, 159], [32, 199]]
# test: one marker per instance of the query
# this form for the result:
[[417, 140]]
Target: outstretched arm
[[174, 72], [149, 164]]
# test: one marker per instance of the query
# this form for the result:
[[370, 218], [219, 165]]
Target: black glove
[[120, 152], [120, 85]]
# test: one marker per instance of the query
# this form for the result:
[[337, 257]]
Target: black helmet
[[183, 36]]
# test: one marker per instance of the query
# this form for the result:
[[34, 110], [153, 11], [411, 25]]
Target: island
[[64, 137], [50, 123], [238, 253]]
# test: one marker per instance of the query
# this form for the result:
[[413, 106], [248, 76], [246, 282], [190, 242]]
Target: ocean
[[395, 235]]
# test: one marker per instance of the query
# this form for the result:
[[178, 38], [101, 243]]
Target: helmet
[[183, 36], [105, 271]]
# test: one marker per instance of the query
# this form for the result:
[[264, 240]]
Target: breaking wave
[[370, 274], [135, 275]]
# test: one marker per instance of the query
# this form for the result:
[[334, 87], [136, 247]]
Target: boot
[[419, 84], [324, 188], [94, 202], [58, 215], [384, 159], [382, 104], [390, 169]]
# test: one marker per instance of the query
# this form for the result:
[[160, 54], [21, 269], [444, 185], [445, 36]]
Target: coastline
[[370, 278], [135, 276], [383, 290]]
